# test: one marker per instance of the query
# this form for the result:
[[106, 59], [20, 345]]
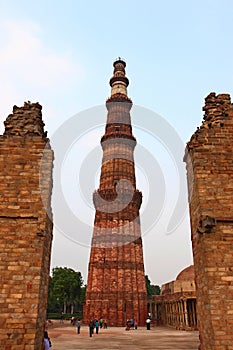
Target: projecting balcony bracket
[[206, 225]]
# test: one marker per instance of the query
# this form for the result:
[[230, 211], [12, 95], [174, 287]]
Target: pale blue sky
[[60, 53]]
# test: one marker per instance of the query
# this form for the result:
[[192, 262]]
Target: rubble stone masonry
[[26, 163], [209, 161]]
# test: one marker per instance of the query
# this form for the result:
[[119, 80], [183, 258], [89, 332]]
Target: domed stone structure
[[187, 274], [176, 304]]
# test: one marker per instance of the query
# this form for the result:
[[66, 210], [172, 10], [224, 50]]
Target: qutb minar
[[116, 289]]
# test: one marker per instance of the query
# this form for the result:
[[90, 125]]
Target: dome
[[187, 274]]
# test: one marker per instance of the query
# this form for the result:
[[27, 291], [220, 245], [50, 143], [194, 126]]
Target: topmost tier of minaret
[[119, 81]]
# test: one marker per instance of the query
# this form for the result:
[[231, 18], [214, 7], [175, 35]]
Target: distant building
[[176, 304]]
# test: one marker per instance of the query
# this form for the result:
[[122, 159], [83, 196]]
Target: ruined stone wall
[[209, 161], [25, 228]]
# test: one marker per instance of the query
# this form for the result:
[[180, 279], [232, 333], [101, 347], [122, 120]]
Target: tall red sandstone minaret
[[116, 282]]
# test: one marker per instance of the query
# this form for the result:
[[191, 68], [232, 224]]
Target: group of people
[[134, 323], [95, 324], [131, 324]]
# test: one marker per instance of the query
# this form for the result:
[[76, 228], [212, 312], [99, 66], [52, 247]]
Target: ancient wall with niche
[[209, 162], [26, 162]]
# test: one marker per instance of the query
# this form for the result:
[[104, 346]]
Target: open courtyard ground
[[64, 336]]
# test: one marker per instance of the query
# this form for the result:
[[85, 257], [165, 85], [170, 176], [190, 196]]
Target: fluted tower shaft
[[116, 282]]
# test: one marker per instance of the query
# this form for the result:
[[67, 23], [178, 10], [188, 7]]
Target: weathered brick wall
[[25, 228], [209, 161]]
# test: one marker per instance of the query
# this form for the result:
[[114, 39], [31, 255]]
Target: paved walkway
[[64, 337]]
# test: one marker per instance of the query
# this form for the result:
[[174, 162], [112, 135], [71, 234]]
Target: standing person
[[91, 328], [127, 325], [47, 342], [96, 326], [101, 322], [136, 324], [61, 317], [78, 325], [148, 323]]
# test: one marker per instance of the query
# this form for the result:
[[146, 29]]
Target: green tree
[[66, 291], [151, 289]]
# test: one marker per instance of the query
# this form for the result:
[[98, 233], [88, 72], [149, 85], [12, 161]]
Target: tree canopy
[[66, 290], [151, 288]]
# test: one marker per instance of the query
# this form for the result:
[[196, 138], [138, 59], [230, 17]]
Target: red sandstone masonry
[[116, 281], [209, 161], [25, 228]]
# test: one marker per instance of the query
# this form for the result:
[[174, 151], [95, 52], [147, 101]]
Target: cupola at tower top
[[119, 82]]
